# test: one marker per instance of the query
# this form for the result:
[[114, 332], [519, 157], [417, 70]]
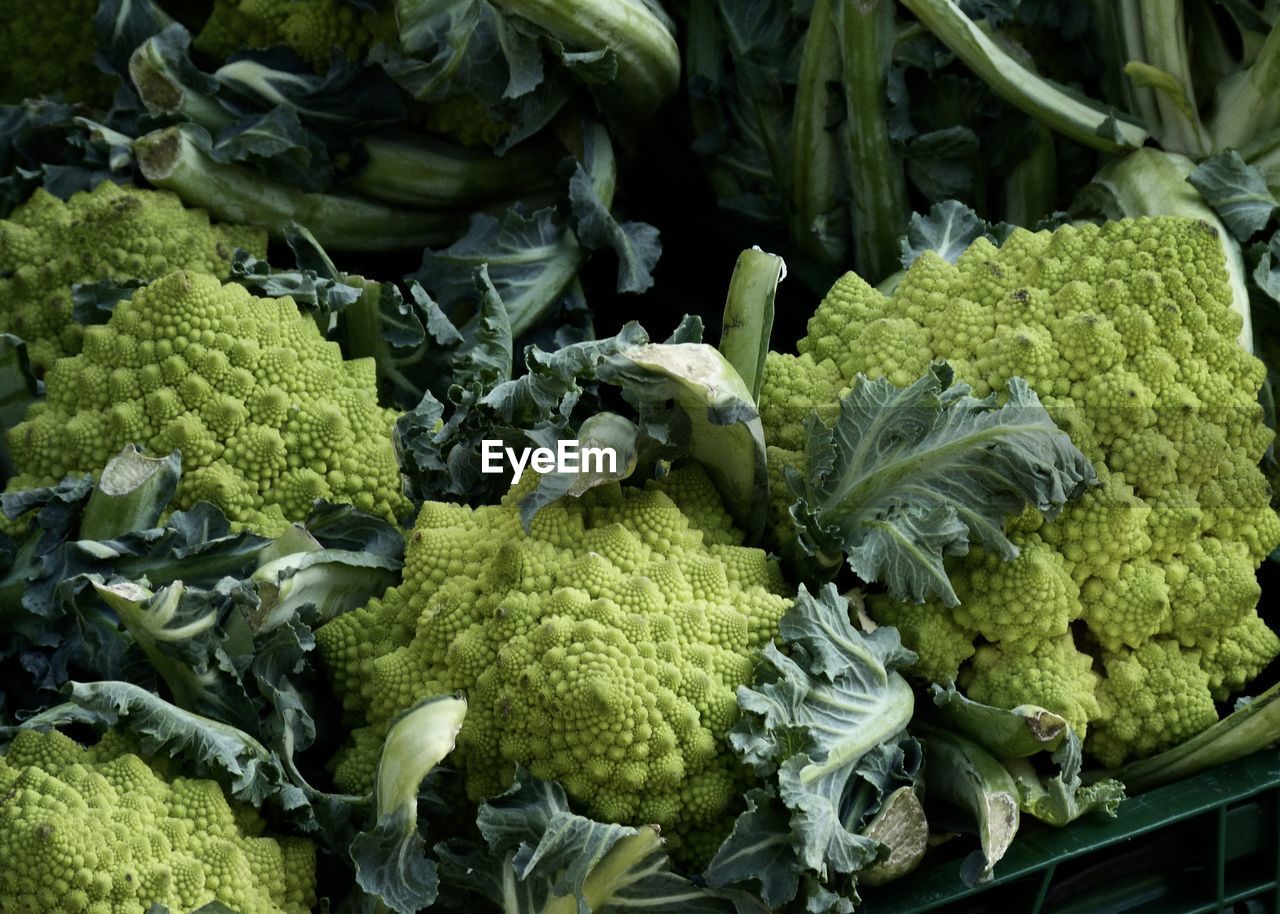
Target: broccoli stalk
[[816, 180], [390, 858], [172, 159], [430, 173], [403, 169]]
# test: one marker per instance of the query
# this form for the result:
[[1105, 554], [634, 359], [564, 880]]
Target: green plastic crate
[[1210, 843]]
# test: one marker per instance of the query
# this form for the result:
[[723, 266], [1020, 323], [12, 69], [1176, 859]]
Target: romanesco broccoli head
[[602, 649], [1126, 332], [267, 414], [312, 28], [46, 49], [111, 232], [99, 830]]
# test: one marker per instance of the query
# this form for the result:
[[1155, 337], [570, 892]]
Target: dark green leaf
[[948, 229], [907, 476], [825, 723], [1237, 190]]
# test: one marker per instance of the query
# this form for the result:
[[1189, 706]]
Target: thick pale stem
[[169, 159], [1247, 105], [1164, 37], [646, 52], [428, 174], [1030, 189]]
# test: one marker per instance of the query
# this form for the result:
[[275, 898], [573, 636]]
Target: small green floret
[[267, 414], [601, 650], [99, 830]]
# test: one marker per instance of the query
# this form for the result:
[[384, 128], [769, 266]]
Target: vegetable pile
[[965, 530], [1127, 333]]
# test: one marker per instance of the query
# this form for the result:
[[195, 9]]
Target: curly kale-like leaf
[[1237, 190], [908, 476], [252, 772], [539, 857], [948, 229], [826, 725]]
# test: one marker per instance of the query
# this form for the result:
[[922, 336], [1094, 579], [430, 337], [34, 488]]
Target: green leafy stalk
[[748, 315], [1062, 798], [1164, 66], [1014, 736], [427, 173], [167, 83], [648, 60], [390, 858], [1084, 120], [907, 476], [726, 435], [539, 857], [1247, 103], [877, 183], [1030, 190], [171, 159], [1010, 734], [420, 172], [131, 494], [251, 771], [171, 631], [825, 725]]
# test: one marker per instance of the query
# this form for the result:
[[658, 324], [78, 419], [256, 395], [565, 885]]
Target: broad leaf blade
[[828, 721], [908, 476], [1237, 190]]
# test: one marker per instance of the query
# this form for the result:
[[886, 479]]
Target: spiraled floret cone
[[1127, 333], [109, 233], [307, 423], [602, 649], [98, 830]]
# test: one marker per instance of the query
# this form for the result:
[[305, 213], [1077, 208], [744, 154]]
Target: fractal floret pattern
[[601, 649], [1126, 332], [100, 831], [267, 414]]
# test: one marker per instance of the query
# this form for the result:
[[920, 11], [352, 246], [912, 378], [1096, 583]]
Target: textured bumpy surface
[[111, 232], [1136, 608], [602, 649], [99, 831], [48, 48], [267, 414], [313, 28]]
